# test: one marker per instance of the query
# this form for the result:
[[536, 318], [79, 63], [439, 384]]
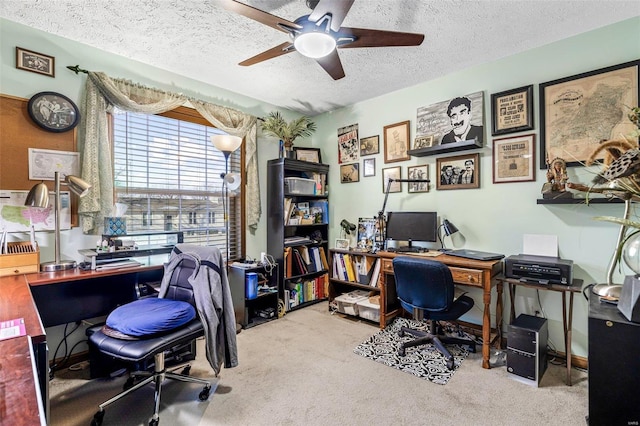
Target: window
[[167, 172]]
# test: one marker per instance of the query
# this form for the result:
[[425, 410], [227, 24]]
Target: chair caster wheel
[[204, 395], [128, 384], [97, 418], [450, 364], [402, 351], [154, 422], [472, 349], [186, 370]]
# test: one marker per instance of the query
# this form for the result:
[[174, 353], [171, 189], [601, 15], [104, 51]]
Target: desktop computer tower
[[527, 348]]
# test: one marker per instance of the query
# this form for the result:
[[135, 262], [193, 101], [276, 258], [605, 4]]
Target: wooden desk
[[567, 311], [474, 273], [20, 398], [17, 301]]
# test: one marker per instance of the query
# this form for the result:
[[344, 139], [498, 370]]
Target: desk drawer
[[387, 266], [472, 277], [18, 270]]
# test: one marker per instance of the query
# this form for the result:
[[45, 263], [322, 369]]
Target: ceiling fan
[[319, 34]]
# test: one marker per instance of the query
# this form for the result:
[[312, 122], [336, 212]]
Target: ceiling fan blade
[[274, 52], [332, 65], [265, 18], [338, 10], [379, 38]]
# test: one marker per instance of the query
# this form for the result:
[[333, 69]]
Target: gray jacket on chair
[[213, 301]]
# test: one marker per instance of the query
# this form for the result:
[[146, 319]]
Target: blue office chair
[[425, 288], [119, 346]]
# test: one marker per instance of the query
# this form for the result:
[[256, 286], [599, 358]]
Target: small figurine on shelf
[[557, 178]]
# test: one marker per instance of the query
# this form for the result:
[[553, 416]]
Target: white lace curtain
[[102, 94]]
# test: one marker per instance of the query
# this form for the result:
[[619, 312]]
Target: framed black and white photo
[[308, 154], [458, 172], [369, 145], [418, 172], [369, 167], [39, 63], [514, 159], [391, 173], [423, 142], [512, 111], [396, 142], [53, 112], [349, 173], [575, 118]]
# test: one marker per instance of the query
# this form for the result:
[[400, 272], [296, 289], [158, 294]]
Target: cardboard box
[[347, 301]]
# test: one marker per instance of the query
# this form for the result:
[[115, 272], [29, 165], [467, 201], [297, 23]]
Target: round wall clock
[[53, 112]]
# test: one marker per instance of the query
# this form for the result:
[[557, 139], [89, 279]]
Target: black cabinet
[[297, 229], [260, 309], [614, 366]]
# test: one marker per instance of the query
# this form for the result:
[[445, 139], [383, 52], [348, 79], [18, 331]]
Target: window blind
[[167, 172]]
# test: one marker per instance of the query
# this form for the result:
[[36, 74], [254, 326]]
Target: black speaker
[[527, 348], [629, 302]]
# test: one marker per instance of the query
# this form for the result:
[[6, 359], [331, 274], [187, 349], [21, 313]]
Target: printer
[[539, 269]]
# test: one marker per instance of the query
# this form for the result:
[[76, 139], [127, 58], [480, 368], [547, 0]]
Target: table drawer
[[466, 276], [17, 270], [387, 266]]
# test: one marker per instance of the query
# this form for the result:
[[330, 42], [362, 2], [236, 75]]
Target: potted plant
[[275, 125]]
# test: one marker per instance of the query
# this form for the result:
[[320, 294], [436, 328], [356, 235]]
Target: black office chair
[[141, 350], [425, 288]]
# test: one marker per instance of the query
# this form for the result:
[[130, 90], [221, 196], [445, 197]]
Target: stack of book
[[356, 268]]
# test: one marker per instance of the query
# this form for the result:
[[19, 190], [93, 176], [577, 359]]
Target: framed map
[[16, 217], [578, 112]]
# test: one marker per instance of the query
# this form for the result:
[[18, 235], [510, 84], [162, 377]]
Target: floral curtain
[[102, 95]]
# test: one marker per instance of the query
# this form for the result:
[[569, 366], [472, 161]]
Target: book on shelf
[[375, 273], [323, 258], [288, 262]]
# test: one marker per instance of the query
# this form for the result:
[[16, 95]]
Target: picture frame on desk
[[572, 120], [342, 244]]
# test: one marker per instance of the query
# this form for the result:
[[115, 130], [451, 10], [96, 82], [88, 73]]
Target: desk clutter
[[19, 257]]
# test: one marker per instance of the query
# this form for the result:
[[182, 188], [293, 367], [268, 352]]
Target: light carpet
[[423, 361], [301, 370]]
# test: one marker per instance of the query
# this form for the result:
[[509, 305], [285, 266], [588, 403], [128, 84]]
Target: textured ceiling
[[203, 41]]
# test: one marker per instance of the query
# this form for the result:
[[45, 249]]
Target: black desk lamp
[[449, 229], [382, 220]]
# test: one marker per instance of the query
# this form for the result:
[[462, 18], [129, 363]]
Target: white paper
[[540, 245]]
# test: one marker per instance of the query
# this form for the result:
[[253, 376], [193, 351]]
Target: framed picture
[[342, 244], [369, 145], [458, 172], [311, 155], [349, 173], [418, 172], [348, 145], [423, 142], [514, 159], [578, 112], [39, 63], [53, 112], [391, 173], [512, 111], [458, 121], [396, 142], [369, 167]]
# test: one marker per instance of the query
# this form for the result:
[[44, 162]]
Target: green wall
[[492, 218]]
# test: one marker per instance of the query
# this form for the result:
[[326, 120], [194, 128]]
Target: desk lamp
[[39, 197], [382, 220], [449, 229], [230, 181]]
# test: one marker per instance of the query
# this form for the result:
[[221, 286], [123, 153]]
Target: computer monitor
[[412, 226]]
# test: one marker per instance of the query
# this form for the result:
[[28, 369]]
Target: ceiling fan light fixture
[[314, 44]]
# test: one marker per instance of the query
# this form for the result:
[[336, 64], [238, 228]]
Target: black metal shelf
[[449, 147], [600, 200]]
